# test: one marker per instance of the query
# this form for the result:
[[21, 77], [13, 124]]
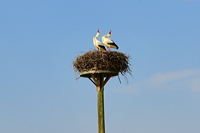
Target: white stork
[[97, 43], [109, 43]]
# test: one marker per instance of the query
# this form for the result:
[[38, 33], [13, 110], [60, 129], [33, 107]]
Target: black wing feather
[[102, 47], [113, 44]]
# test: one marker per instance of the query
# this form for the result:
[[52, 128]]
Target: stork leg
[[108, 49]]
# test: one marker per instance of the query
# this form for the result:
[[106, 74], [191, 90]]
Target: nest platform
[[95, 73], [106, 63]]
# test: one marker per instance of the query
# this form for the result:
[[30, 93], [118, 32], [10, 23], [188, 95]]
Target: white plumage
[[109, 43], [97, 43]]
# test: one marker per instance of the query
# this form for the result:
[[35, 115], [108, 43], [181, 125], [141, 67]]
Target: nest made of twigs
[[103, 60]]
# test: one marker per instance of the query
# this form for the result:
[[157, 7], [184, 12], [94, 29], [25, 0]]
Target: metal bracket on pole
[[92, 81]]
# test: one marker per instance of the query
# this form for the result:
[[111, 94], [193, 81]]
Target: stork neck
[[97, 35], [108, 35], [94, 39], [105, 36]]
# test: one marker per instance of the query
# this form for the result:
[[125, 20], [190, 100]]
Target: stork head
[[98, 30], [110, 32]]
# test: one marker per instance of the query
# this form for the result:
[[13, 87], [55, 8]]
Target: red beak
[[110, 32], [98, 30]]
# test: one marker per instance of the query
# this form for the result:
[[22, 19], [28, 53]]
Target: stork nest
[[103, 60]]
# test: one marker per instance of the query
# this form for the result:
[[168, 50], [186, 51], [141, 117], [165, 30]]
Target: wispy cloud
[[187, 79]]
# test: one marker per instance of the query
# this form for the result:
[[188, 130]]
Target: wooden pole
[[97, 78], [100, 104]]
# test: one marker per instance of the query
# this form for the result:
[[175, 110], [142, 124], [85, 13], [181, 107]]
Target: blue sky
[[39, 40]]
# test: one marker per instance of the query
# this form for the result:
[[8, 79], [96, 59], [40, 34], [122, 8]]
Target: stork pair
[[106, 41]]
